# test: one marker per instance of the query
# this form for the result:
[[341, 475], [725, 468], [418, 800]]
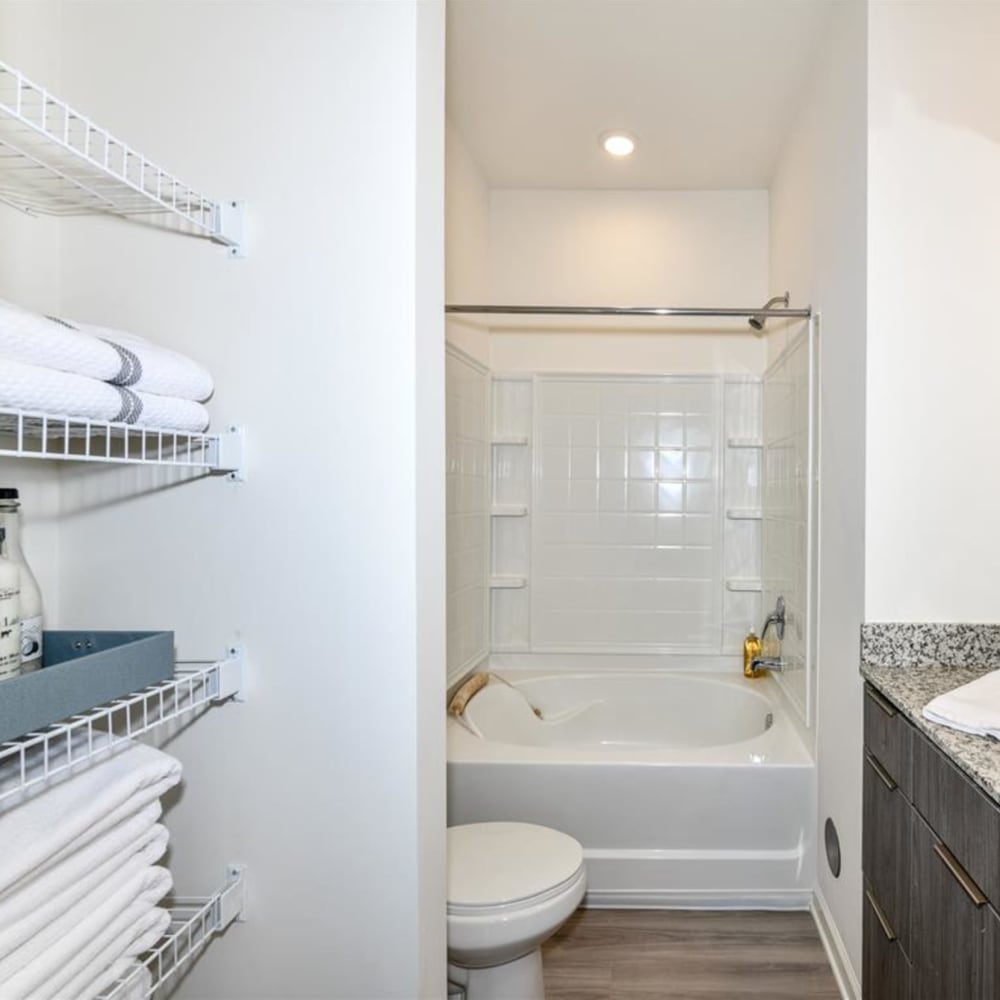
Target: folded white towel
[[45, 390], [99, 353], [42, 825], [108, 933], [125, 980], [971, 708], [138, 842], [135, 881]]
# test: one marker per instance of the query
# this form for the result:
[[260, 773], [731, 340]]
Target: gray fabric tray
[[82, 670]]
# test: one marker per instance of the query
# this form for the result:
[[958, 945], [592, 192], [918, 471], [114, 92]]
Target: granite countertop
[[909, 688]]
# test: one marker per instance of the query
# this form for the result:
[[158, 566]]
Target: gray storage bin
[[80, 671]]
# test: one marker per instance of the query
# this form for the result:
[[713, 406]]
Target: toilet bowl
[[511, 886]]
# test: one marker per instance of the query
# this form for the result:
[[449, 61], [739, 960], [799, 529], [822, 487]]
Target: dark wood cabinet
[[931, 860]]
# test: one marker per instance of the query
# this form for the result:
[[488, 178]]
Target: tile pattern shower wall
[[788, 500], [626, 548], [467, 462]]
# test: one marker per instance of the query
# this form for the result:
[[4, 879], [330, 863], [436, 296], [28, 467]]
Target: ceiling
[[709, 87]]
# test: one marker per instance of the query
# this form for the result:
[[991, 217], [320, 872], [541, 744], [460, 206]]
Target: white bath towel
[[45, 390], [107, 933], [971, 708], [84, 875], [135, 882], [125, 980], [99, 353], [42, 825]]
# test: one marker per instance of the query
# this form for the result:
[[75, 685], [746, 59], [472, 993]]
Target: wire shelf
[[39, 435], [36, 757], [56, 161], [193, 924]]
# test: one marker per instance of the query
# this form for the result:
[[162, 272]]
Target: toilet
[[511, 886]]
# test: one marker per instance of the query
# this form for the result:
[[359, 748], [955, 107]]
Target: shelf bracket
[[230, 454], [232, 899], [230, 227], [231, 676]]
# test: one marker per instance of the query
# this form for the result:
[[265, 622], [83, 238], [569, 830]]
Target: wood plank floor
[[687, 955]]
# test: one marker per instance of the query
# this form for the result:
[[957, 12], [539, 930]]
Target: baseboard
[[833, 943], [684, 899]]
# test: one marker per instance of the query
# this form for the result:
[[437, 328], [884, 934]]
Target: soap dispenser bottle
[[751, 650], [10, 620], [30, 600]]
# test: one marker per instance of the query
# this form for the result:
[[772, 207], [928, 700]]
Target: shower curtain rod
[[629, 311]]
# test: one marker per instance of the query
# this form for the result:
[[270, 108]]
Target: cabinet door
[[885, 847], [991, 963], [948, 923], [885, 972]]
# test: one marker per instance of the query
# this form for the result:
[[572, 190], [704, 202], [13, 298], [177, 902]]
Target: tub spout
[[774, 664]]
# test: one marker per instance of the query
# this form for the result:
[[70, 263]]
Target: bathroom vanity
[[931, 844]]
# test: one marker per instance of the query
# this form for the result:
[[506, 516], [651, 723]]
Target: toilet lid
[[494, 863]]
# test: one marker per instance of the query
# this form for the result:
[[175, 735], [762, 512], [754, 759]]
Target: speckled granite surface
[[902, 644], [910, 688]]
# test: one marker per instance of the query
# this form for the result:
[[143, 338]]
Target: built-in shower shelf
[[744, 513], [56, 161], [516, 439], [37, 756], [737, 442], [508, 582], [509, 510], [75, 439], [193, 925], [743, 585]]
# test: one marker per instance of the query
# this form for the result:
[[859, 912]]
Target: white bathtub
[[685, 789]]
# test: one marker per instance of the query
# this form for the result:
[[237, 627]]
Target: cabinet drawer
[[885, 970], [886, 846], [889, 737], [961, 815]]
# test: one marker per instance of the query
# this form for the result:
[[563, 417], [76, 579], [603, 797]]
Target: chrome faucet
[[775, 664]]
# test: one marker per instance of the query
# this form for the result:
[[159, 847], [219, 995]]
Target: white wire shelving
[[37, 756], [193, 924], [56, 161], [40, 435]]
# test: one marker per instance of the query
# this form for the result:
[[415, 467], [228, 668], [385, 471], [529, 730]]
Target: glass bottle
[[10, 626], [30, 605]]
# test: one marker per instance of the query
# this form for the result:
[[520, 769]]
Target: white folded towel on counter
[[99, 353], [42, 825], [82, 876], [971, 708], [45, 390], [123, 925], [135, 882]]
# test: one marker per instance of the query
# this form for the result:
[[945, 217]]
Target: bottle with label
[[10, 622], [30, 605], [751, 649]]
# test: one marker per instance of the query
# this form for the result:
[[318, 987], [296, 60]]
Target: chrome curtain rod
[[628, 311]]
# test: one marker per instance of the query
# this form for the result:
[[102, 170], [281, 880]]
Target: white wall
[[933, 484], [818, 252], [627, 248], [327, 343], [467, 245]]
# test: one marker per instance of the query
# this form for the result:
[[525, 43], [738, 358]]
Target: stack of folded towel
[[971, 708], [79, 884], [54, 366]]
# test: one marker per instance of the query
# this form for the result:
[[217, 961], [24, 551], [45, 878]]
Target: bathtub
[[685, 789]]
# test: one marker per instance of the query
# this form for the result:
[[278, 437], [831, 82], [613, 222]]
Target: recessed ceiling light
[[618, 143]]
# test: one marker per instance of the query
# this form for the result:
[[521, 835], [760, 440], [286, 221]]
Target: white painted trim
[[693, 899], [460, 355], [836, 952]]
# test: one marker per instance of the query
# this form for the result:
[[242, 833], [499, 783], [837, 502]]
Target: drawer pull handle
[[880, 915], [960, 875], [884, 704], [882, 773]]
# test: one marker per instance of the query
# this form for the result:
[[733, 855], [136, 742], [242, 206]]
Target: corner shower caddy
[[56, 161]]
